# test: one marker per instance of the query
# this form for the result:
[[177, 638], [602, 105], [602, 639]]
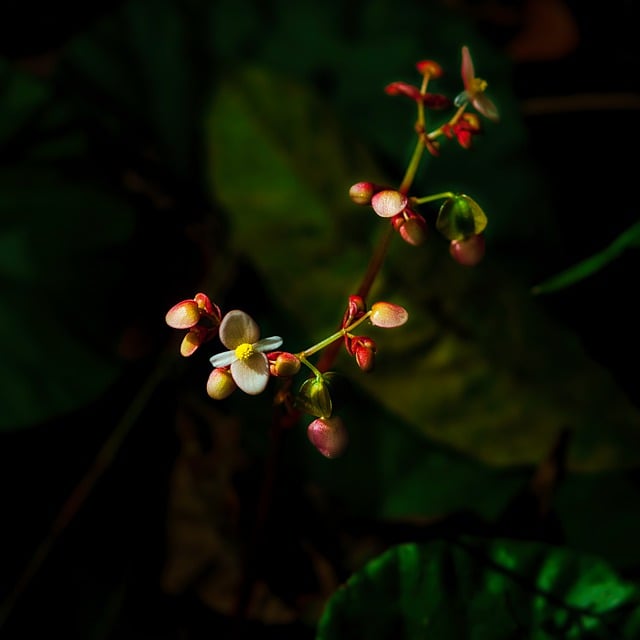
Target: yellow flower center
[[244, 351], [478, 85]]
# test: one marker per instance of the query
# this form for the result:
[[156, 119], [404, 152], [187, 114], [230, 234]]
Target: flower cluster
[[460, 219], [249, 361]]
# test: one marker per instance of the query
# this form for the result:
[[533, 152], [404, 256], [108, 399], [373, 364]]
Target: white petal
[[252, 374], [268, 344], [237, 328], [223, 359], [486, 107]]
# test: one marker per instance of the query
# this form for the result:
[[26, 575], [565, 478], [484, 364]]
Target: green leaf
[[477, 589], [628, 239]]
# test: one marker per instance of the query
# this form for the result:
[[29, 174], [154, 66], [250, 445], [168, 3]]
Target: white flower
[[249, 365], [474, 89]]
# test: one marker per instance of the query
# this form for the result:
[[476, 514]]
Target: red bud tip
[[430, 68]]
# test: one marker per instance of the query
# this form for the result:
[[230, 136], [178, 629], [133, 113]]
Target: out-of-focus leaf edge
[[582, 270]]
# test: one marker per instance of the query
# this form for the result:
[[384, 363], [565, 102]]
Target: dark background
[[98, 573]]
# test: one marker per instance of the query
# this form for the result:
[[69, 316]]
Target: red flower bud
[[365, 351], [355, 309]]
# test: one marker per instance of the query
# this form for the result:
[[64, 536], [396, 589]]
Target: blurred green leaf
[[628, 239], [60, 242], [478, 365], [479, 589]]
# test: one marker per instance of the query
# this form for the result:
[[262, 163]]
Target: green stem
[[412, 169], [303, 355], [436, 196]]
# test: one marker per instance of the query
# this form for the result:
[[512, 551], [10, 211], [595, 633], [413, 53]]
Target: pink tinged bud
[[365, 351], [329, 436], [362, 192], [468, 252], [404, 89], [355, 309], [203, 302], [183, 315], [388, 315], [220, 384], [430, 68], [388, 203], [192, 340], [411, 226], [283, 364]]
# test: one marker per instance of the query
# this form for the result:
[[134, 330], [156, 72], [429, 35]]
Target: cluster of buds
[[460, 219], [199, 316], [250, 361]]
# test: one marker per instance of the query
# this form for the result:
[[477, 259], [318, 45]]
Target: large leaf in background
[[478, 365], [491, 590], [59, 243]]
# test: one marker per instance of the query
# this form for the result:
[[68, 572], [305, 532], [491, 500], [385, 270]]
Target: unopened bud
[[362, 192], [388, 315], [220, 384], [329, 436], [388, 203], [314, 397], [283, 364], [365, 351], [183, 315], [411, 226], [468, 252]]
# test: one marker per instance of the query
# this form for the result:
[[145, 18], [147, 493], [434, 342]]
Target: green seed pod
[[460, 217]]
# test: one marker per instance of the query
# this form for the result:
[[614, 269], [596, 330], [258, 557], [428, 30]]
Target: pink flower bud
[[388, 203], [329, 436], [194, 338], [220, 384], [388, 315], [283, 364], [469, 251], [183, 315], [361, 192], [411, 226]]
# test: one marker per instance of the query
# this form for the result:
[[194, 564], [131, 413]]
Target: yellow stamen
[[478, 85], [244, 351]]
